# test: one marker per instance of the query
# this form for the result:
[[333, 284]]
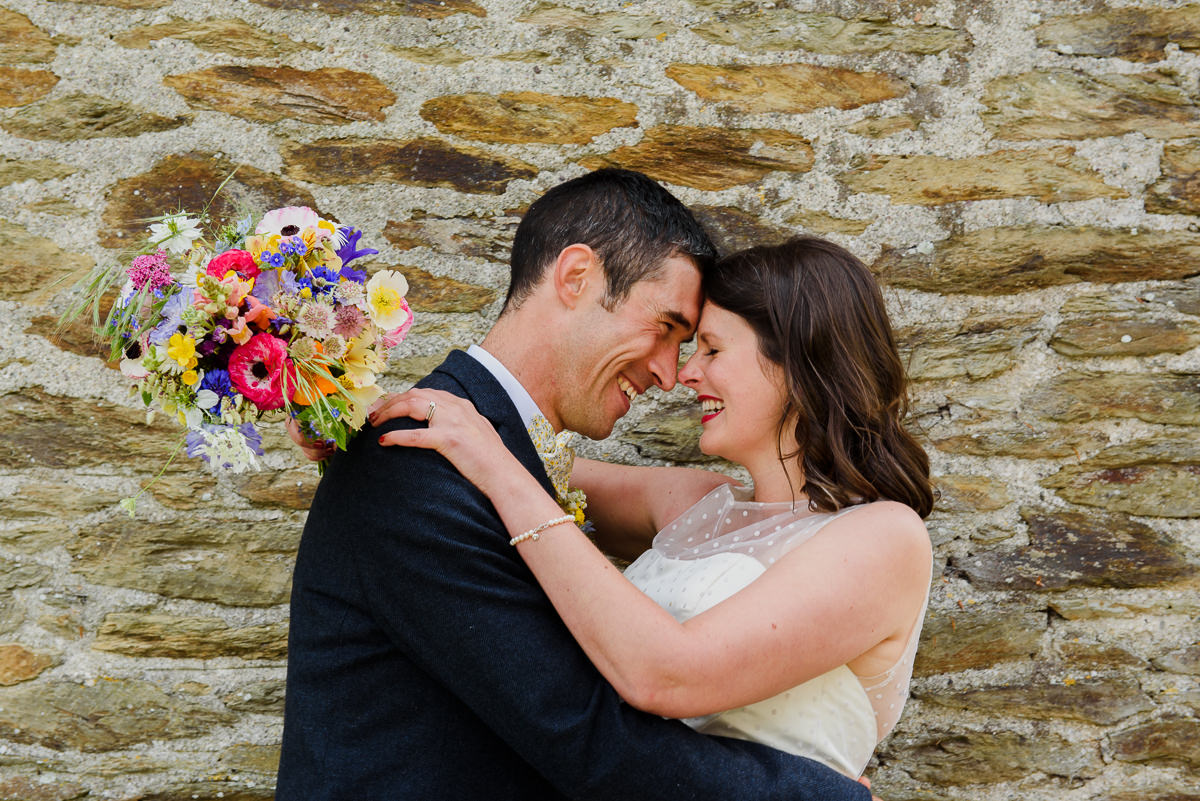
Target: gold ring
[[429, 414]]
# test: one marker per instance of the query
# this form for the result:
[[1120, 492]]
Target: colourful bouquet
[[252, 323]]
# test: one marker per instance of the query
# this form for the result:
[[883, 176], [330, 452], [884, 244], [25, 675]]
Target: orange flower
[[313, 381]]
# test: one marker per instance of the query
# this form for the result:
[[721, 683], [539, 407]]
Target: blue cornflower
[[217, 380], [348, 252], [323, 279]]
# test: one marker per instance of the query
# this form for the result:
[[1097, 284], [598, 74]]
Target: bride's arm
[[629, 504], [819, 607]]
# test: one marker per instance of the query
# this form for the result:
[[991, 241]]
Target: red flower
[[239, 261], [259, 368]]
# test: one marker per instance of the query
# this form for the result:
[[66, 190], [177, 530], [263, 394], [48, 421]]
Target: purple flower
[[351, 274], [217, 380], [347, 252], [323, 279], [172, 316]]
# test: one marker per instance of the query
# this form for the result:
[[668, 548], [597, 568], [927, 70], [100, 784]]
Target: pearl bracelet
[[535, 533]]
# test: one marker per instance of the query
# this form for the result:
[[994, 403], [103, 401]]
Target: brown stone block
[[818, 222], [437, 56], [227, 561], [57, 206], [35, 268], [109, 715], [251, 758], [1136, 34], [610, 24], [1124, 335], [1157, 793], [326, 96], [1174, 740], [18, 664], [1075, 549], [435, 293], [22, 42], [977, 636], [477, 238], [188, 181], [289, 489], [520, 117], [1062, 104], [1026, 441], [22, 87], [786, 88], [755, 29], [960, 757], [1183, 296], [671, 433], [966, 493], [732, 229], [78, 116], [881, 127], [17, 573], [184, 489], [426, 9], [233, 37], [178, 637], [39, 499], [1078, 655], [1103, 606], [1052, 175], [995, 261], [1178, 190], [1169, 398], [1102, 701], [1154, 478], [14, 171], [417, 162], [43, 430], [23, 788], [261, 697], [77, 336], [979, 347], [710, 158], [1184, 660]]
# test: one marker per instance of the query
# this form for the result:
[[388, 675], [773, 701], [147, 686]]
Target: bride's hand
[[456, 431]]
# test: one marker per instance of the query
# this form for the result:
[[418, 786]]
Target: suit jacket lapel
[[484, 391]]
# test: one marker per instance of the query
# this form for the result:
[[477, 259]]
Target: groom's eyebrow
[[676, 319]]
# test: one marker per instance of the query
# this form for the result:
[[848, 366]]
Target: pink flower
[[150, 269], [260, 368], [350, 322], [394, 337], [239, 261]]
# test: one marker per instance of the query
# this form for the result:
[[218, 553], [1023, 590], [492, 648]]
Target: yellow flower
[[385, 299], [182, 349], [361, 362], [190, 377]]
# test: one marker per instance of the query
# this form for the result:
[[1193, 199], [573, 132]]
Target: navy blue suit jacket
[[425, 662]]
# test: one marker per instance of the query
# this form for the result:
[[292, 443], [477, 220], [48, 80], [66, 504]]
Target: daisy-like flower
[[175, 232], [350, 322], [335, 346], [259, 368], [349, 293], [317, 320], [385, 299]]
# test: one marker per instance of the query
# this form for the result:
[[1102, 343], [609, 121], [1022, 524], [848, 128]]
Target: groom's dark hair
[[627, 218]]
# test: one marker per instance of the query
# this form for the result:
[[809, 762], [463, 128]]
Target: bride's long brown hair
[[818, 313]]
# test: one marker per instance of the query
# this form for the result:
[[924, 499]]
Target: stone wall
[[1022, 175]]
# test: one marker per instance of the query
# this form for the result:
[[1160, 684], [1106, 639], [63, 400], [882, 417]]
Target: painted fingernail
[[381, 440]]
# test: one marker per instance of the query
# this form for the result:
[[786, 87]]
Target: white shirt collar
[[526, 407]]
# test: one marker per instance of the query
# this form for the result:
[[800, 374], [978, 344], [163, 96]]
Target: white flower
[[385, 300], [298, 217], [175, 232]]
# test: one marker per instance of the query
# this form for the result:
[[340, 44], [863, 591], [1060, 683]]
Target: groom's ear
[[575, 274]]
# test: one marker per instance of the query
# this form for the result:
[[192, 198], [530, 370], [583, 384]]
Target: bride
[[786, 612]]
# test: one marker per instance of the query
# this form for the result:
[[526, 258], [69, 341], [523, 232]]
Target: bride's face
[[742, 394]]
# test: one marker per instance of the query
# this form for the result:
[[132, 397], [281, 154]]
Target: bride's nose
[[689, 374]]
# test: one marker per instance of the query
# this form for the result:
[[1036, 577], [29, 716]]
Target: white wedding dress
[[716, 548]]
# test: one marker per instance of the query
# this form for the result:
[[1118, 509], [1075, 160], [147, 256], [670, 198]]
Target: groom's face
[[616, 355]]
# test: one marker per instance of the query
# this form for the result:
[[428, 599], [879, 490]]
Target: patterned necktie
[[556, 452]]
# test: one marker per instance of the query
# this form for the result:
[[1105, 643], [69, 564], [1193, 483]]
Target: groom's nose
[[664, 366]]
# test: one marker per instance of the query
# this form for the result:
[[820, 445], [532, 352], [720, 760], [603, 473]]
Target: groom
[[424, 662]]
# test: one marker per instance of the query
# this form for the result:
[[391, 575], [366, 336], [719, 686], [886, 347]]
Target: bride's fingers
[[410, 438]]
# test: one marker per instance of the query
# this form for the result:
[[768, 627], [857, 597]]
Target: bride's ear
[[575, 273]]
